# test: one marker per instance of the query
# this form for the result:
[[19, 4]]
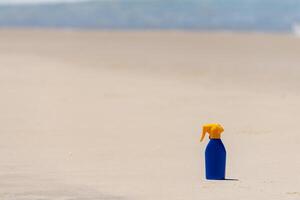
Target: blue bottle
[[215, 153]]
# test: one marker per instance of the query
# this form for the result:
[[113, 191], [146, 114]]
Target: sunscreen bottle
[[215, 153]]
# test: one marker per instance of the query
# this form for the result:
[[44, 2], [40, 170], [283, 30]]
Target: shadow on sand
[[231, 179]]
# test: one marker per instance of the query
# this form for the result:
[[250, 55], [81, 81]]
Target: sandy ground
[[105, 116]]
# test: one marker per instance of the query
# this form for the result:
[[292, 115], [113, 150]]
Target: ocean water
[[232, 15]]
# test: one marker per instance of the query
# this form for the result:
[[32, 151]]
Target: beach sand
[[89, 115]]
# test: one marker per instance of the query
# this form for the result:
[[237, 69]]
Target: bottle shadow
[[231, 179]]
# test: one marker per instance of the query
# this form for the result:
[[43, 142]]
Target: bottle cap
[[214, 131]]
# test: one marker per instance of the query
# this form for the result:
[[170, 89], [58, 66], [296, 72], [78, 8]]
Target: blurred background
[[237, 15]]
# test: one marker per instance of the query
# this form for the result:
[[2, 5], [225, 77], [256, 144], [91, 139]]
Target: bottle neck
[[215, 136]]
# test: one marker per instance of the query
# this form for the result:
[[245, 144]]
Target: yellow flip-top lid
[[214, 131]]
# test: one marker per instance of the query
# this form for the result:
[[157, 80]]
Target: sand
[[89, 115]]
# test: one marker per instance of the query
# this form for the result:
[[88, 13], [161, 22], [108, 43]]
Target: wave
[[296, 30]]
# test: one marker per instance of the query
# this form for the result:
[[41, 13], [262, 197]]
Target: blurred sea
[[231, 15]]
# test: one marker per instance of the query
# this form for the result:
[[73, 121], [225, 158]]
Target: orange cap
[[214, 131]]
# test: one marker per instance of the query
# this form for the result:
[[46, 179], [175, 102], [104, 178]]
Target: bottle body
[[215, 160]]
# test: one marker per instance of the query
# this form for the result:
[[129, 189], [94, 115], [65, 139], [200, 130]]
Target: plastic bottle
[[215, 153]]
